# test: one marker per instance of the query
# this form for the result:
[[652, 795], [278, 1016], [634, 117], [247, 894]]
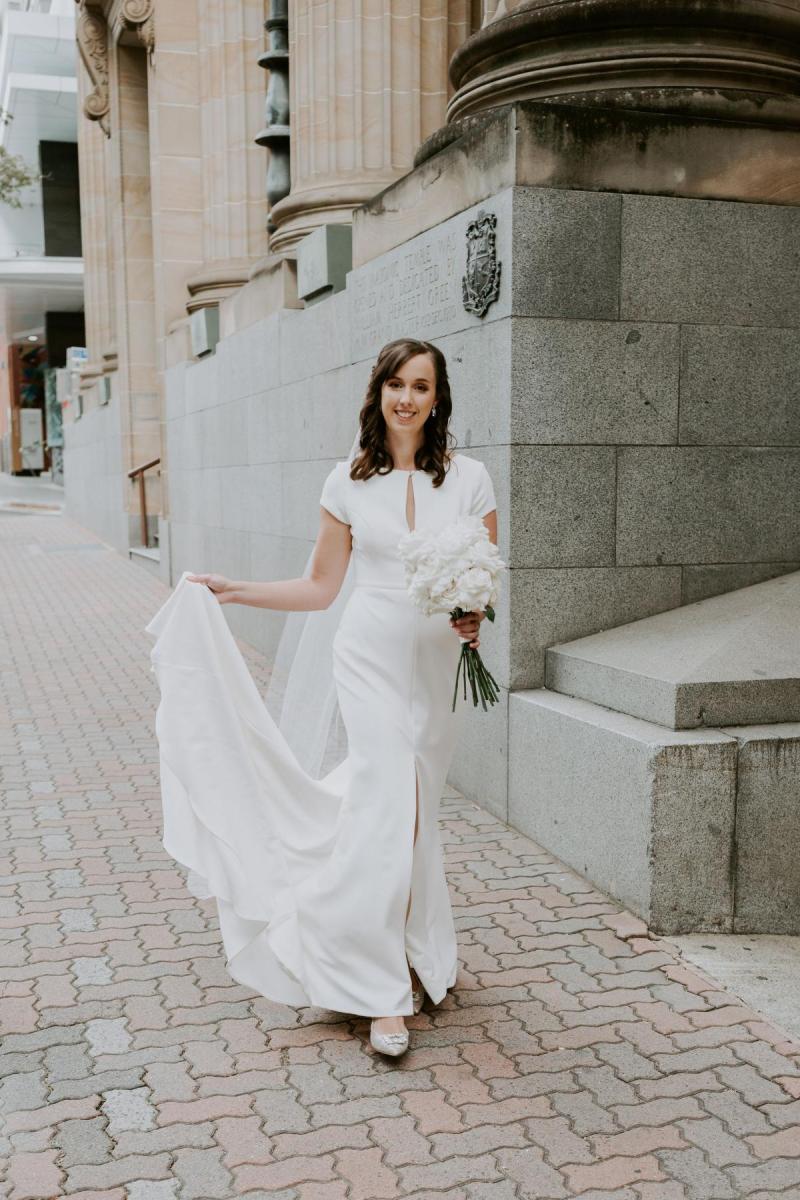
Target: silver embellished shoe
[[388, 1043], [418, 998]]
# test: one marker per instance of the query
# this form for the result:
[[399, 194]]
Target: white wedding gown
[[312, 878]]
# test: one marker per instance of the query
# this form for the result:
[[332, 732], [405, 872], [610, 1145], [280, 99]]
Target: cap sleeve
[[332, 497], [483, 500]]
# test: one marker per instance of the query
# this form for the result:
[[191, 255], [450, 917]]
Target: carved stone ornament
[[138, 15], [92, 37], [480, 286]]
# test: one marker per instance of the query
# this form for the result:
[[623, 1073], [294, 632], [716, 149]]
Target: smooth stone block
[[265, 511], [479, 769], [224, 434], [479, 368], [273, 556], [314, 340], [201, 384], [594, 381], [688, 504], [175, 391], [301, 489], [767, 828], [740, 386], [562, 506], [207, 495], [235, 484], [250, 359], [188, 549], [551, 606], [709, 262], [311, 419], [645, 813], [229, 552]]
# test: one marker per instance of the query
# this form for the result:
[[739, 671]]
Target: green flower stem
[[482, 684]]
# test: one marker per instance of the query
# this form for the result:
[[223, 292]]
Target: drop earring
[[433, 411]]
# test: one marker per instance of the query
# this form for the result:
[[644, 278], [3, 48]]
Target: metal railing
[[138, 473]]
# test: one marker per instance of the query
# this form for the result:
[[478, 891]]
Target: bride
[[371, 924]]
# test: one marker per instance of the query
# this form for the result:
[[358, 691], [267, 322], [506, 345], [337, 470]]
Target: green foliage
[[15, 174]]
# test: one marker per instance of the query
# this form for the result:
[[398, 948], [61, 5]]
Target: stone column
[[736, 61], [367, 87], [98, 283], [230, 180]]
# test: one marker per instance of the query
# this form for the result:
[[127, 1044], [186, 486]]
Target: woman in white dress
[[374, 911]]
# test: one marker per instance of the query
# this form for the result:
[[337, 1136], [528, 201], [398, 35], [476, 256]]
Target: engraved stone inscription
[[413, 291], [416, 289]]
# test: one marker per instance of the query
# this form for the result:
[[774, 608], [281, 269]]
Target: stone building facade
[[596, 216]]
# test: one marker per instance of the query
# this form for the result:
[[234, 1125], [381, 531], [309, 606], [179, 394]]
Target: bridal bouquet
[[456, 570]]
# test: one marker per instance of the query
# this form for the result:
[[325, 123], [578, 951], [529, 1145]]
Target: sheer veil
[[301, 695]]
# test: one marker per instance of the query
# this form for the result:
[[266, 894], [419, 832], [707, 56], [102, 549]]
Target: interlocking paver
[[577, 1055]]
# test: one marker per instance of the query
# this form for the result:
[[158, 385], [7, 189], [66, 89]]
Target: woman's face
[[408, 396]]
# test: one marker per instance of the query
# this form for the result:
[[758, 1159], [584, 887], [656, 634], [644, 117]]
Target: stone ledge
[[692, 829], [732, 659]]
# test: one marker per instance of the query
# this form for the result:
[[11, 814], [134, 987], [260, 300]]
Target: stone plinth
[[691, 829], [583, 148]]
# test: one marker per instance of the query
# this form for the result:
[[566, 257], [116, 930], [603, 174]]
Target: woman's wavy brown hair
[[433, 456]]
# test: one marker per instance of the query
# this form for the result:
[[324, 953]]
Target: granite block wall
[[632, 390], [94, 480]]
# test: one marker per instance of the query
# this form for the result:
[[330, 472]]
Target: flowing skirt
[[313, 878]]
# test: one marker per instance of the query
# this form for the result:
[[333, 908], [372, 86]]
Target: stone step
[[691, 829], [148, 557], [732, 659]]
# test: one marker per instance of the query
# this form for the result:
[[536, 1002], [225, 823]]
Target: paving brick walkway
[[576, 1057]]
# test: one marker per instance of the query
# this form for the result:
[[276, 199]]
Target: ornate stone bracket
[[92, 36], [139, 17]]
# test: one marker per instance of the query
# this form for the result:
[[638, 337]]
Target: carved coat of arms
[[480, 285]]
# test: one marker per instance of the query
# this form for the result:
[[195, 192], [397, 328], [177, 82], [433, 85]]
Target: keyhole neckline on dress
[[411, 506]]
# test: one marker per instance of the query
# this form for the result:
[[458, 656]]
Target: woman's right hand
[[222, 588]]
